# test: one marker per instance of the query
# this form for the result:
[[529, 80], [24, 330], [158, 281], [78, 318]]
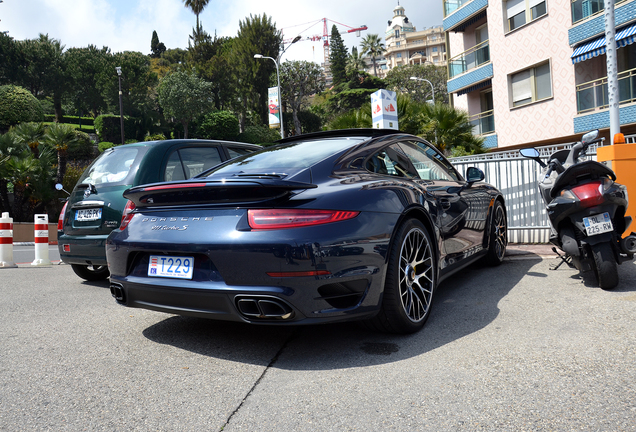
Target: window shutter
[[521, 88], [515, 7]]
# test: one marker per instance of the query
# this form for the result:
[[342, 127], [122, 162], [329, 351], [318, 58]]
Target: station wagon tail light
[[589, 194], [295, 218], [127, 215], [60, 220]]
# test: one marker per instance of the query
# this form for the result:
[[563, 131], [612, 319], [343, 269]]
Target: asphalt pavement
[[519, 347]]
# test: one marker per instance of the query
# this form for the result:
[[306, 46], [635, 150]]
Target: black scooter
[[586, 208]]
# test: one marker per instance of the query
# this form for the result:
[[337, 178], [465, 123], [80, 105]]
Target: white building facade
[[533, 72]]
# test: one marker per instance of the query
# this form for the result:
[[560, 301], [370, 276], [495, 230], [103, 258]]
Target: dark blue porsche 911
[[341, 225]]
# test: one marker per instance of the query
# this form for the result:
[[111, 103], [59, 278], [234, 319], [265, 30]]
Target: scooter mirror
[[590, 136], [530, 153]]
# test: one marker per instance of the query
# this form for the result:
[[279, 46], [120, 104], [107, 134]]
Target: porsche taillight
[[295, 218], [60, 220], [589, 194], [127, 215]]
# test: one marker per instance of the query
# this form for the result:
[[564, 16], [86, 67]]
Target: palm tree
[[197, 7], [372, 45], [450, 129], [355, 63], [59, 136], [30, 134]]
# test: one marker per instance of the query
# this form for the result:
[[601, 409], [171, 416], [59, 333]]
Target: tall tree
[[299, 79], [197, 7], [156, 48], [372, 45], [398, 80], [89, 71], [184, 97], [256, 35], [337, 57]]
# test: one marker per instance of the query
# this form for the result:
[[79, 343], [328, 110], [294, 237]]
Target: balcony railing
[[483, 123], [451, 6], [593, 96], [582, 9], [470, 59]]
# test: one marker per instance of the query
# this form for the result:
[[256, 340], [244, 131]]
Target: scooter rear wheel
[[605, 267]]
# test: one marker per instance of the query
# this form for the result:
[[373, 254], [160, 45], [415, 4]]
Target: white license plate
[[88, 214], [178, 267], [598, 224]]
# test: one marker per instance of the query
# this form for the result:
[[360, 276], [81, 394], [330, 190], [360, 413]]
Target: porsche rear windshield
[[288, 158]]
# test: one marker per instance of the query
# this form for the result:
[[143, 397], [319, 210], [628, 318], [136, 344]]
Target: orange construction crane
[[325, 34]]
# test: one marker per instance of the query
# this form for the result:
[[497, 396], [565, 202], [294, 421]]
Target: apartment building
[[405, 45], [533, 72]]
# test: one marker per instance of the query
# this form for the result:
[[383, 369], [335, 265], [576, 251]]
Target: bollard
[[41, 236], [6, 241]]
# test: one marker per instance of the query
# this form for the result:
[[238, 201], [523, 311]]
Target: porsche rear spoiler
[[204, 191]]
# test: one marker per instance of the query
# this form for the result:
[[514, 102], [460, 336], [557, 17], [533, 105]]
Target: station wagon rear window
[[113, 166]]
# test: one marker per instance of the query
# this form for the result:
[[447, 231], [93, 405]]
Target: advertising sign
[[274, 108], [384, 109]]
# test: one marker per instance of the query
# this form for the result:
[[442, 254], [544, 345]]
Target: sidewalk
[[515, 250]]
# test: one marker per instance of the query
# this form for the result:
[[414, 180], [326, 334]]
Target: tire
[[410, 281], [91, 273], [605, 267], [498, 236]]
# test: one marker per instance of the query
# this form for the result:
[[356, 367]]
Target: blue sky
[[124, 25]]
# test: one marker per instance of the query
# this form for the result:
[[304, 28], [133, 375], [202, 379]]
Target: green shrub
[[108, 126], [73, 172], [220, 125], [105, 145], [18, 105], [83, 149], [155, 137], [259, 135]]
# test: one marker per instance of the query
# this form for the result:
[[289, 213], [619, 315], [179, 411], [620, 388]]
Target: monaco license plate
[[88, 214], [598, 224], [178, 267]]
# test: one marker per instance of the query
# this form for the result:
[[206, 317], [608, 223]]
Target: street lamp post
[[433, 97], [432, 88], [280, 95], [121, 104], [282, 130]]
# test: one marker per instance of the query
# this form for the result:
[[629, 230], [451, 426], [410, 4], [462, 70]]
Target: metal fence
[[516, 177]]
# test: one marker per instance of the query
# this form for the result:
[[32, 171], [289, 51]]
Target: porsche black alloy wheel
[[410, 281], [498, 236], [91, 273]]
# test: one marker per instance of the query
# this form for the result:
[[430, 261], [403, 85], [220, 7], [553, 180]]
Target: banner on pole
[[384, 109], [274, 108]]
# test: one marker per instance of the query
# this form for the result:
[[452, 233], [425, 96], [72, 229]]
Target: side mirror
[[474, 175], [590, 136], [530, 153], [59, 186]]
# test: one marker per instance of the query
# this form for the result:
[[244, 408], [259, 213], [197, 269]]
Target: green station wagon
[[96, 203]]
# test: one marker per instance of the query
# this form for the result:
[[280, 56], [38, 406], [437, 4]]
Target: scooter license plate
[[598, 224]]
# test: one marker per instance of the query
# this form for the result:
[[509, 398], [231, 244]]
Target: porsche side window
[[391, 161], [428, 162], [198, 159]]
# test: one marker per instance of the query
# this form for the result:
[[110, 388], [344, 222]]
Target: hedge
[[108, 127], [86, 121], [18, 105]]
